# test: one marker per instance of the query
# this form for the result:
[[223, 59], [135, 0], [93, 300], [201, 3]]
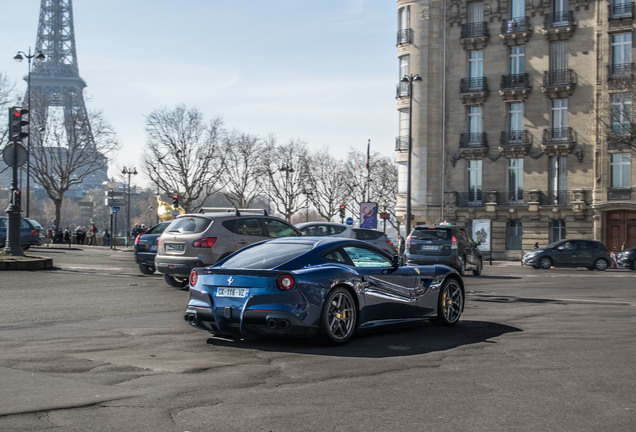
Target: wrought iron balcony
[[402, 90], [474, 36], [404, 37], [514, 144], [473, 90], [620, 76], [515, 86], [519, 197], [558, 141], [470, 199], [516, 31], [402, 143], [558, 84], [559, 25], [473, 140]]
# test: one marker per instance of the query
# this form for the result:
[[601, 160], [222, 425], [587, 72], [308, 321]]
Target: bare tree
[[183, 154], [7, 95], [615, 119], [67, 146], [326, 181], [285, 165], [244, 155]]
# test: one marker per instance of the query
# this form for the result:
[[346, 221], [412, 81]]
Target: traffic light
[[17, 120], [16, 198], [175, 201], [342, 212]]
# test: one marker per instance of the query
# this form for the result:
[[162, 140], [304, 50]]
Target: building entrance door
[[620, 229]]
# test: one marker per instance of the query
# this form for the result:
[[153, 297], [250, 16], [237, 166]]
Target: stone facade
[[511, 120]]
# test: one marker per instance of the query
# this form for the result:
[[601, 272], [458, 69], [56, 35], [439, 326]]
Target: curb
[[29, 264]]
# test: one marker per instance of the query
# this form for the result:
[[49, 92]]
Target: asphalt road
[[96, 346]]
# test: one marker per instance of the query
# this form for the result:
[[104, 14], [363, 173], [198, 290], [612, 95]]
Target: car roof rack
[[237, 211]]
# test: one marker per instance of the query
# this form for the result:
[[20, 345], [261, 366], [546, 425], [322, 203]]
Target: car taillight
[[137, 238], [206, 242], [408, 242], [159, 242], [285, 282], [453, 242], [194, 277]]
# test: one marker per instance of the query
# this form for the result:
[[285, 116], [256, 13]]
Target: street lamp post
[[409, 79], [307, 195], [39, 56], [129, 172]]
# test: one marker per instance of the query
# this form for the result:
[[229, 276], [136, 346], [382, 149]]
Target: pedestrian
[[67, 236], [106, 237], [92, 240], [78, 234]]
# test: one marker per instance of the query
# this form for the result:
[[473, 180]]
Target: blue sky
[[320, 70]]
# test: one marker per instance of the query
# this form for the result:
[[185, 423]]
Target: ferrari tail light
[[206, 242], [453, 242], [285, 282], [194, 277]]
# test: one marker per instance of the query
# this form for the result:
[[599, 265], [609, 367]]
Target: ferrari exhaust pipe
[[271, 323], [190, 318]]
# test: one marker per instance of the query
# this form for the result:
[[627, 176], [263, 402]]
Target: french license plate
[[429, 247], [174, 247], [232, 292]]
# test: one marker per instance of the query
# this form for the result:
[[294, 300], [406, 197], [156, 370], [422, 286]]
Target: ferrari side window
[[362, 257]]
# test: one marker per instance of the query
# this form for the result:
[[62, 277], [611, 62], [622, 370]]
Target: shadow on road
[[397, 341]]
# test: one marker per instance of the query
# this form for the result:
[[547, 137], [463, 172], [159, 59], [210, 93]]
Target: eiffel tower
[[55, 82]]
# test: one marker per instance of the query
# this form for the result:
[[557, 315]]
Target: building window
[[515, 121], [515, 180], [621, 54], [404, 18], [404, 67], [517, 60], [558, 56], [621, 113], [558, 179], [474, 182], [402, 177], [559, 119], [476, 62], [560, 9], [475, 122], [557, 230], [475, 12], [513, 234], [621, 168], [517, 9]]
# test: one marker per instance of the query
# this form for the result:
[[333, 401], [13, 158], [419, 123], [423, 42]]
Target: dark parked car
[[627, 259], [331, 229], [443, 244], [570, 253], [306, 286], [197, 240], [31, 232], [146, 247]]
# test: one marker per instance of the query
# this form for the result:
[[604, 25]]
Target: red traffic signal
[[17, 120]]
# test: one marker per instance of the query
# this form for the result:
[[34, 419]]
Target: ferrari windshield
[[266, 256]]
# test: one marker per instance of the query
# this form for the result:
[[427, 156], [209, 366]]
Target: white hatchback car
[[332, 229]]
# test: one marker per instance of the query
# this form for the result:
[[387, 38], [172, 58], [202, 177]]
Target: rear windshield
[[435, 234], [189, 225], [367, 234], [266, 256], [157, 229]]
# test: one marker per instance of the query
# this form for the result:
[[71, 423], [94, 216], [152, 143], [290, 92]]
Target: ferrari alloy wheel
[[545, 263], [146, 269], [339, 316], [176, 282], [450, 304]]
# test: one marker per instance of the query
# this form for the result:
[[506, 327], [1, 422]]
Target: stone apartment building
[[519, 113]]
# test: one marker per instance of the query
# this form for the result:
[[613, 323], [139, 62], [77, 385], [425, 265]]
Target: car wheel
[[600, 264], [176, 282], [339, 315], [479, 268], [462, 266], [450, 303], [632, 265], [146, 269], [545, 263]]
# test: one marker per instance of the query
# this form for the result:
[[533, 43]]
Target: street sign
[[116, 209], [349, 221], [7, 154]]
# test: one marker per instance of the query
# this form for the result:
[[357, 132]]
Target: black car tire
[[176, 282], [600, 264], [146, 269], [479, 268], [339, 316], [545, 263], [462, 266], [450, 304], [632, 265]]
